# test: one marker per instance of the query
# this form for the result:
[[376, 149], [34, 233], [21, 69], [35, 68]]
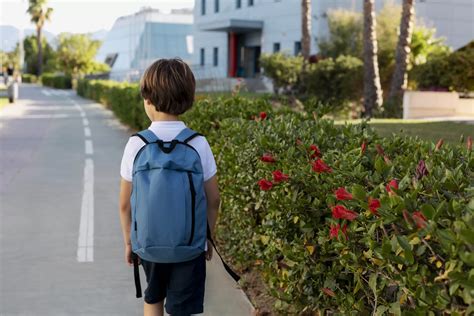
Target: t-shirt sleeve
[[126, 165], [208, 162]]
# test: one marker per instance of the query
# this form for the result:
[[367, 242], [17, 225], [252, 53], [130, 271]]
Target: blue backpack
[[169, 209], [168, 202]]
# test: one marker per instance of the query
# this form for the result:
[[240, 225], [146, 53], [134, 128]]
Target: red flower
[[279, 176], [379, 149], [393, 184], [363, 147], [334, 231], [469, 143], [319, 166], [439, 144], [263, 115], [265, 185], [340, 212], [316, 152], [267, 158], [342, 194], [344, 231], [374, 204], [420, 219], [328, 292]]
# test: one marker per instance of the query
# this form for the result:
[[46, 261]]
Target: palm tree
[[402, 54], [372, 87], [306, 28], [39, 15]]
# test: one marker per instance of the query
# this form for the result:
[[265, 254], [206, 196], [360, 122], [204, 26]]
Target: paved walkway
[[60, 241]]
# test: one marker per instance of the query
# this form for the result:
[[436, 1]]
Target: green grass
[[432, 131]]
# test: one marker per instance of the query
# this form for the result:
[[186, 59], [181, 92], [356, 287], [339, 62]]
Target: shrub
[[399, 260], [405, 243], [56, 81], [28, 78], [452, 72], [283, 69], [335, 82]]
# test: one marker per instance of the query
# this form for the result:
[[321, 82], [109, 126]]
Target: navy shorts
[[182, 284]]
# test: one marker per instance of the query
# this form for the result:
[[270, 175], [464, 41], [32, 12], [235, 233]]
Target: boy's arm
[[213, 202], [125, 216]]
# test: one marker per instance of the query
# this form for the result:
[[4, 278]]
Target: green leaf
[[403, 242], [428, 210], [373, 282], [467, 235], [358, 192]]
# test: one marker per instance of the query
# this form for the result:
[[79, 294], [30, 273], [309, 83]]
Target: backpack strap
[[186, 135], [147, 136], [234, 275], [136, 275]]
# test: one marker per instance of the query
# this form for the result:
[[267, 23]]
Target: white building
[[230, 35], [136, 40]]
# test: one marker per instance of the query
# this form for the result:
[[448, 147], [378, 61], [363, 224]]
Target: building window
[[250, 3], [201, 57], [238, 4], [297, 48], [216, 6], [203, 7], [215, 56], [276, 47]]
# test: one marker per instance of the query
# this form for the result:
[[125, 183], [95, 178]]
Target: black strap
[[234, 275], [136, 275], [141, 137], [191, 137]]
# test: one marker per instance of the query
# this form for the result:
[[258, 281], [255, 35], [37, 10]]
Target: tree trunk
[[402, 55], [40, 51], [372, 87], [306, 28]]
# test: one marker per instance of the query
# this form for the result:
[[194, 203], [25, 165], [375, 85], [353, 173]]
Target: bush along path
[[335, 219]]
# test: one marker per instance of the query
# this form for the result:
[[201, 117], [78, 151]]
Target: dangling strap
[[234, 275], [136, 275], [186, 135], [147, 136]]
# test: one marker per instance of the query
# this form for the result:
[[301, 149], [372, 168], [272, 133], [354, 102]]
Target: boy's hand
[[128, 255], [209, 250]]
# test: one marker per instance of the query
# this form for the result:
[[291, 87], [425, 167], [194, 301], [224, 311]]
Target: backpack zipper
[[193, 205]]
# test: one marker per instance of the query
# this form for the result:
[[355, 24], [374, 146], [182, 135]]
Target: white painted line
[[85, 121], [83, 114], [85, 242], [45, 92], [89, 148], [87, 132], [36, 116]]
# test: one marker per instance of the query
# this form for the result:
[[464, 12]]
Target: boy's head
[[168, 84]]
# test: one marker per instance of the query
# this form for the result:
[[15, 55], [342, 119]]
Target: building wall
[[143, 37]]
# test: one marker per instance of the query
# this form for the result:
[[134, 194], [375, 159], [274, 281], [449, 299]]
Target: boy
[[167, 88]]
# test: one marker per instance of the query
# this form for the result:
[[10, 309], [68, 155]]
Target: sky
[[82, 16]]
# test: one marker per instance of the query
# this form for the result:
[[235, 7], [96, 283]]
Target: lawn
[[450, 131]]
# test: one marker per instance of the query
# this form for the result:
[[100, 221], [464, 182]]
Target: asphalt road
[[61, 248]]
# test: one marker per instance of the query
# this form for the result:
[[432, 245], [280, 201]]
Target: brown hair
[[169, 85]]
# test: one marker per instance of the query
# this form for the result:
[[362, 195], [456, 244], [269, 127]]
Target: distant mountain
[[10, 35]]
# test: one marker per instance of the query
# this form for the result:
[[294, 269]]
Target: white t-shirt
[[167, 131]]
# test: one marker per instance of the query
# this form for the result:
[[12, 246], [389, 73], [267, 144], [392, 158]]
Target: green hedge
[[405, 250], [29, 78], [56, 81], [452, 72]]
